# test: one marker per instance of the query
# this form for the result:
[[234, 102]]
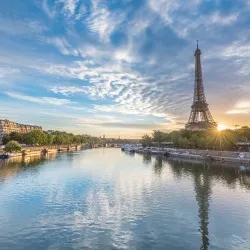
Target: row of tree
[[210, 139], [38, 138]]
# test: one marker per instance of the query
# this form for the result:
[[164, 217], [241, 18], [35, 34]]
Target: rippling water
[[107, 199]]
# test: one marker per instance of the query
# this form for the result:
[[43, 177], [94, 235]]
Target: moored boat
[[4, 156]]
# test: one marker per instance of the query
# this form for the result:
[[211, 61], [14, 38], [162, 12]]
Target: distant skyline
[[122, 68]]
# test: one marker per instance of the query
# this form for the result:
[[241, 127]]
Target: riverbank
[[202, 155], [211, 155], [43, 150]]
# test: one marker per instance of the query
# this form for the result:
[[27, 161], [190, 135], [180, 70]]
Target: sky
[[122, 68]]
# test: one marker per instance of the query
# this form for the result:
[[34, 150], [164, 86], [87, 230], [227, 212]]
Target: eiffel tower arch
[[200, 117]]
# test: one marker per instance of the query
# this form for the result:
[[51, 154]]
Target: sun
[[221, 127]]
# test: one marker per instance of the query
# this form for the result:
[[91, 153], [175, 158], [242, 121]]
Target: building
[[200, 117], [6, 127]]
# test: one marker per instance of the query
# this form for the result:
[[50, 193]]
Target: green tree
[[146, 140], [183, 143], [12, 146], [16, 136], [194, 141], [50, 139], [158, 136], [202, 143], [35, 137], [175, 137], [6, 139]]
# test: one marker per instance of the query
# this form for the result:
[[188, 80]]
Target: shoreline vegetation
[[225, 140], [42, 138]]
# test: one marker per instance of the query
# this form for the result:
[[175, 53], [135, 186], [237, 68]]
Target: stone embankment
[[41, 150], [225, 156]]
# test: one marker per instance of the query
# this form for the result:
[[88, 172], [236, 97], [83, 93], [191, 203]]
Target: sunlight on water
[[107, 199]]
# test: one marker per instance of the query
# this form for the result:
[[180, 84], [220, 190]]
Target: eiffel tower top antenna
[[197, 44]]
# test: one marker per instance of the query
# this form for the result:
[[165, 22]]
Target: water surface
[[107, 199]]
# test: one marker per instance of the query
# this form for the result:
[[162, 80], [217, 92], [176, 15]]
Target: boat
[[129, 148], [244, 169], [139, 150], [155, 151], [4, 156], [124, 146], [174, 154], [166, 154], [147, 150]]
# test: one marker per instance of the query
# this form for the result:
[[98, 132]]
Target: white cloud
[[192, 20], [46, 9], [82, 11], [6, 71], [242, 107], [217, 18], [164, 8], [102, 21], [237, 49], [21, 27], [62, 45], [69, 6], [40, 100]]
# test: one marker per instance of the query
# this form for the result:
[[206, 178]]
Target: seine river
[[108, 199]]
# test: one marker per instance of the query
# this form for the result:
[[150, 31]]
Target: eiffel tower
[[200, 117]]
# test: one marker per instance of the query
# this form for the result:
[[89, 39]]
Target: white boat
[[147, 150], [128, 148], [244, 169], [139, 150], [155, 151], [124, 146], [241, 155]]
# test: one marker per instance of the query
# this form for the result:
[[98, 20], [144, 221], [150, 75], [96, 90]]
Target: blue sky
[[122, 68]]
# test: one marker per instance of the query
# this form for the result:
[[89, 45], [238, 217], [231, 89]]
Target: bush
[[12, 146]]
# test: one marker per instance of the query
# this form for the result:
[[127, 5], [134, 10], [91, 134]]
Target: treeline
[[210, 139], [38, 138]]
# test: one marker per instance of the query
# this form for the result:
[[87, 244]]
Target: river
[[108, 199]]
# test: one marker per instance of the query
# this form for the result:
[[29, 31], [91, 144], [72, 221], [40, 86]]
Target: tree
[[35, 137], [158, 136], [12, 146], [175, 137], [202, 143], [6, 139], [50, 139], [16, 136], [146, 140], [183, 142], [194, 141]]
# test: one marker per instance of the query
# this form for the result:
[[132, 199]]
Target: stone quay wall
[[6, 127]]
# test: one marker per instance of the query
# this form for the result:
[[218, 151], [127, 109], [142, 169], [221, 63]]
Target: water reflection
[[147, 159], [203, 175], [158, 165], [106, 199], [12, 166], [203, 191]]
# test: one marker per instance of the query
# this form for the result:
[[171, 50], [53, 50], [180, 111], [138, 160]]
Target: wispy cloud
[[102, 21], [6, 71], [242, 107], [62, 45], [40, 100], [128, 59], [47, 10], [21, 27], [69, 6]]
